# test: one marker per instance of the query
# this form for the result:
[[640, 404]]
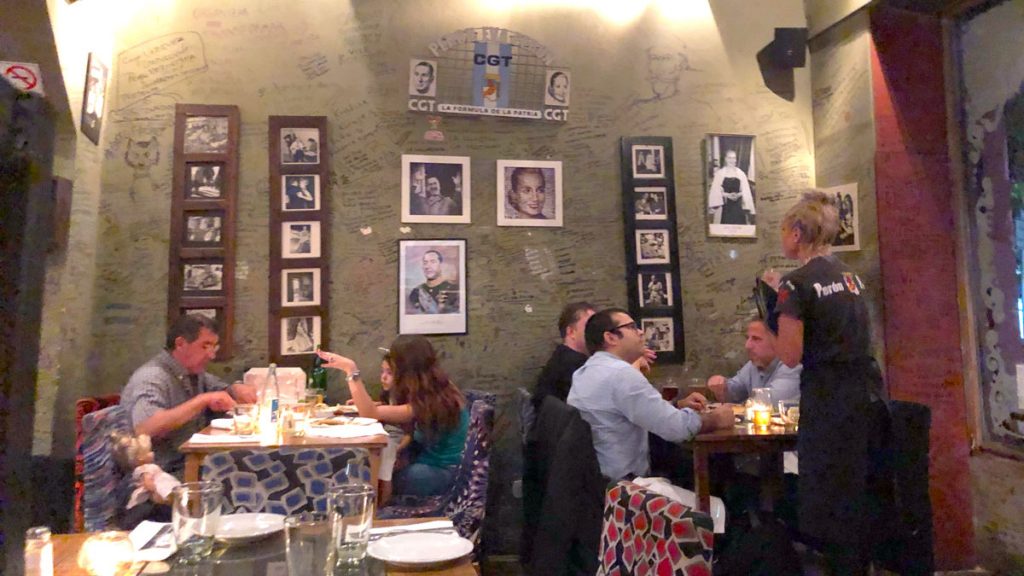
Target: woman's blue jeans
[[423, 480]]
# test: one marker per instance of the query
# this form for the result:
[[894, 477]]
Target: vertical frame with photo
[[203, 208], [300, 238], [96, 75], [652, 243], [730, 177], [432, 287], [845, 197]]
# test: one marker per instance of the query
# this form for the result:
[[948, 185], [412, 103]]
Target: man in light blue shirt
[[763, 370], [620, 404]]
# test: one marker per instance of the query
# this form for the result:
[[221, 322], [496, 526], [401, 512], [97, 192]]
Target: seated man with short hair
[[763, 370], [620, 404]]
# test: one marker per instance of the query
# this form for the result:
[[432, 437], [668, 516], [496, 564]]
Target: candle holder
[[762, 406], [106, 554]]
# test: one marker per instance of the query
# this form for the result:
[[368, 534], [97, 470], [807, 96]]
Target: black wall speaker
[[790, 47]]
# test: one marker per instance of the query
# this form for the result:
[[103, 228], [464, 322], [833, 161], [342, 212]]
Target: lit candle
[[106, 554]]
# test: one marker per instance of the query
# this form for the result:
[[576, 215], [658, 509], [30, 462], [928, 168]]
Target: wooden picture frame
[[205, 195], [300, 248], [432, 286]]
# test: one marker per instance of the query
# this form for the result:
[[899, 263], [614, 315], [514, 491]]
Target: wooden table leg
[[701, 479], [192, 460], [375, 471], [771, 479]]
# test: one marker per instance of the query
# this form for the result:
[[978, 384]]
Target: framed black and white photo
[[659, 334], [300, 192], [92, 102], [529, 193], [648, 161], [436, 189], [300, 287], [422, 78], [204, 278], [655, 289], [299, 335], [204, 181], [845, 197], [203, 229], [209, 313], [432, 286], [300, 146], [649, 203], [730, 176], [652, 246], [206, 135], [300, 239], [557, 88]]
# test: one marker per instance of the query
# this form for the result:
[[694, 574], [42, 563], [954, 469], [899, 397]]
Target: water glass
[[299, 419], [195, 515], [307, 544], [244, 419], [351, 508]]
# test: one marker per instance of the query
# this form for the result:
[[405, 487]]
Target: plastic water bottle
[[38, 552], [270, 409]]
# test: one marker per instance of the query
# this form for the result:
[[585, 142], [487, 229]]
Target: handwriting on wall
[[147, 68]]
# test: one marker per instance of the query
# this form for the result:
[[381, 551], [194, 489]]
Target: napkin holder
[[290, 380]]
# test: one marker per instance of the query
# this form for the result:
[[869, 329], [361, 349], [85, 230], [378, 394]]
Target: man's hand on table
[[695, 401], [717, 385], [219, 401], [243, 393], [719, 418]]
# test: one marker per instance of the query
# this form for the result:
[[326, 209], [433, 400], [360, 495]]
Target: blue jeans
[[423, 480]]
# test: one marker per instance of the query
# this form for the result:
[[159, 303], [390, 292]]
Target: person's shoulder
[[151, 369]]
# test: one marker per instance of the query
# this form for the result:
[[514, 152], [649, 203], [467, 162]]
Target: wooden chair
[[101, 477], [85, 406]]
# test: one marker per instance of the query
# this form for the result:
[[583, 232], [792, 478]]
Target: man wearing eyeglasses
[[620, 404], [168, 396]]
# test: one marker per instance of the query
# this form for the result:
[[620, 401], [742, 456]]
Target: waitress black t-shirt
[[828, 298]]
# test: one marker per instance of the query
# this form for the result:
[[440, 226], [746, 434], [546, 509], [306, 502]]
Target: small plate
[[419, 549], [222, 423], [248, 527], [347, 421]]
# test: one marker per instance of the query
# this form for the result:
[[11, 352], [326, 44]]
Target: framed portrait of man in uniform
[[432, 286]]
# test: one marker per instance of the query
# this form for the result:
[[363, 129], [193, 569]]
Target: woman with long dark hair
[[424, 396]]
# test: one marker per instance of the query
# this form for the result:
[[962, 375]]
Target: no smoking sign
[[24, 76]]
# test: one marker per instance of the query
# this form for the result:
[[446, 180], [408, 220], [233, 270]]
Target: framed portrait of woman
[[845, 197], [731, 176], [299, 335]]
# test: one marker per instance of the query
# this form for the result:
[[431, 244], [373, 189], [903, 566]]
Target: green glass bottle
[[318, 376]]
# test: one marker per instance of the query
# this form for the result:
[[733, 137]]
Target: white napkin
[[346, 430], [200, 438], [164, 484], [162, 548], [686, 497], [432, 525]]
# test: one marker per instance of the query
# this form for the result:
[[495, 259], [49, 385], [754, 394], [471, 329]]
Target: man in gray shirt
[[620, 404], [167, 396], [763, 370]]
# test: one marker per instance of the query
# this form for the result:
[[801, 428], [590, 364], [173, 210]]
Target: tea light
[[762, 416], [106, 554]]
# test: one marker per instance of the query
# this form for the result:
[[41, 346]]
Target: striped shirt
[[160, 384]]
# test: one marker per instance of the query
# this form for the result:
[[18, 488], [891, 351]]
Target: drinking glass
[[762, 404], [195, 515], [307, 544], [244, 419], [299, 419], [351, 508], [789, 410], [670, 391]]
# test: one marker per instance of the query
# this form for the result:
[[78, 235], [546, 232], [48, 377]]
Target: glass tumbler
[[307, 544], [351, 509], [195, 516]]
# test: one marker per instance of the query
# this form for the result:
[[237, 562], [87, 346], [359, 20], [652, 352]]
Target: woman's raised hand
[[337, 361]]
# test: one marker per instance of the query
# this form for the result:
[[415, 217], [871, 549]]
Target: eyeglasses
[[207, 347], [630, 325]]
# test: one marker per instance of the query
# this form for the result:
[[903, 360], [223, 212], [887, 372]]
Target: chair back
[[473, 396], [85, 406], [647, 533], [282, 480], [527, 414], [467, 500], [102, 478]]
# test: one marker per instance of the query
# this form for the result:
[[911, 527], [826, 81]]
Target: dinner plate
[[222, 423], [248, 527], [348, 420], [419, 550]]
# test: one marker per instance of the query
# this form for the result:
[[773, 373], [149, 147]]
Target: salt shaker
[[38, 552]]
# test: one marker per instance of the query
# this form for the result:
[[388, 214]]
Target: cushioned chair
[[85, 406], [101, 477], [466, 501], [647, 533], [283, 480]]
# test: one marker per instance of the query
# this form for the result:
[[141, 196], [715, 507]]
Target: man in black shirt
[[556, 377]]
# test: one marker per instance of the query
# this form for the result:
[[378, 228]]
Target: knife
[[152, 542]]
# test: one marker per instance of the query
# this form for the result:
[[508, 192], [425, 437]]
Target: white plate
[[419, 549], [330, 410], [248, 527], [222, 423], [347, 421]]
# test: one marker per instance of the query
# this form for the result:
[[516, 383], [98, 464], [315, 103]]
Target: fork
[[445, 530]]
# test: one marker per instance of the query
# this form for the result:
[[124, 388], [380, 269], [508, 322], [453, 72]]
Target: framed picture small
[[210, 313], [557, 91], [300, 239], [92, 103], [648, 161], [731, 177], [848, 238], [204, 229], [652, 246], [206, 135], [300, 287], [659, 334], [300, 146], [432, 286], [436, 189], [422, 78], [204, 181], [655, 289], [299, 335], [649, 203], [529, 193], [203, 278], [300, 192]]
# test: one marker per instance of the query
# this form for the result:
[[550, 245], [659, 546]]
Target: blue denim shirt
[[783, 381]]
